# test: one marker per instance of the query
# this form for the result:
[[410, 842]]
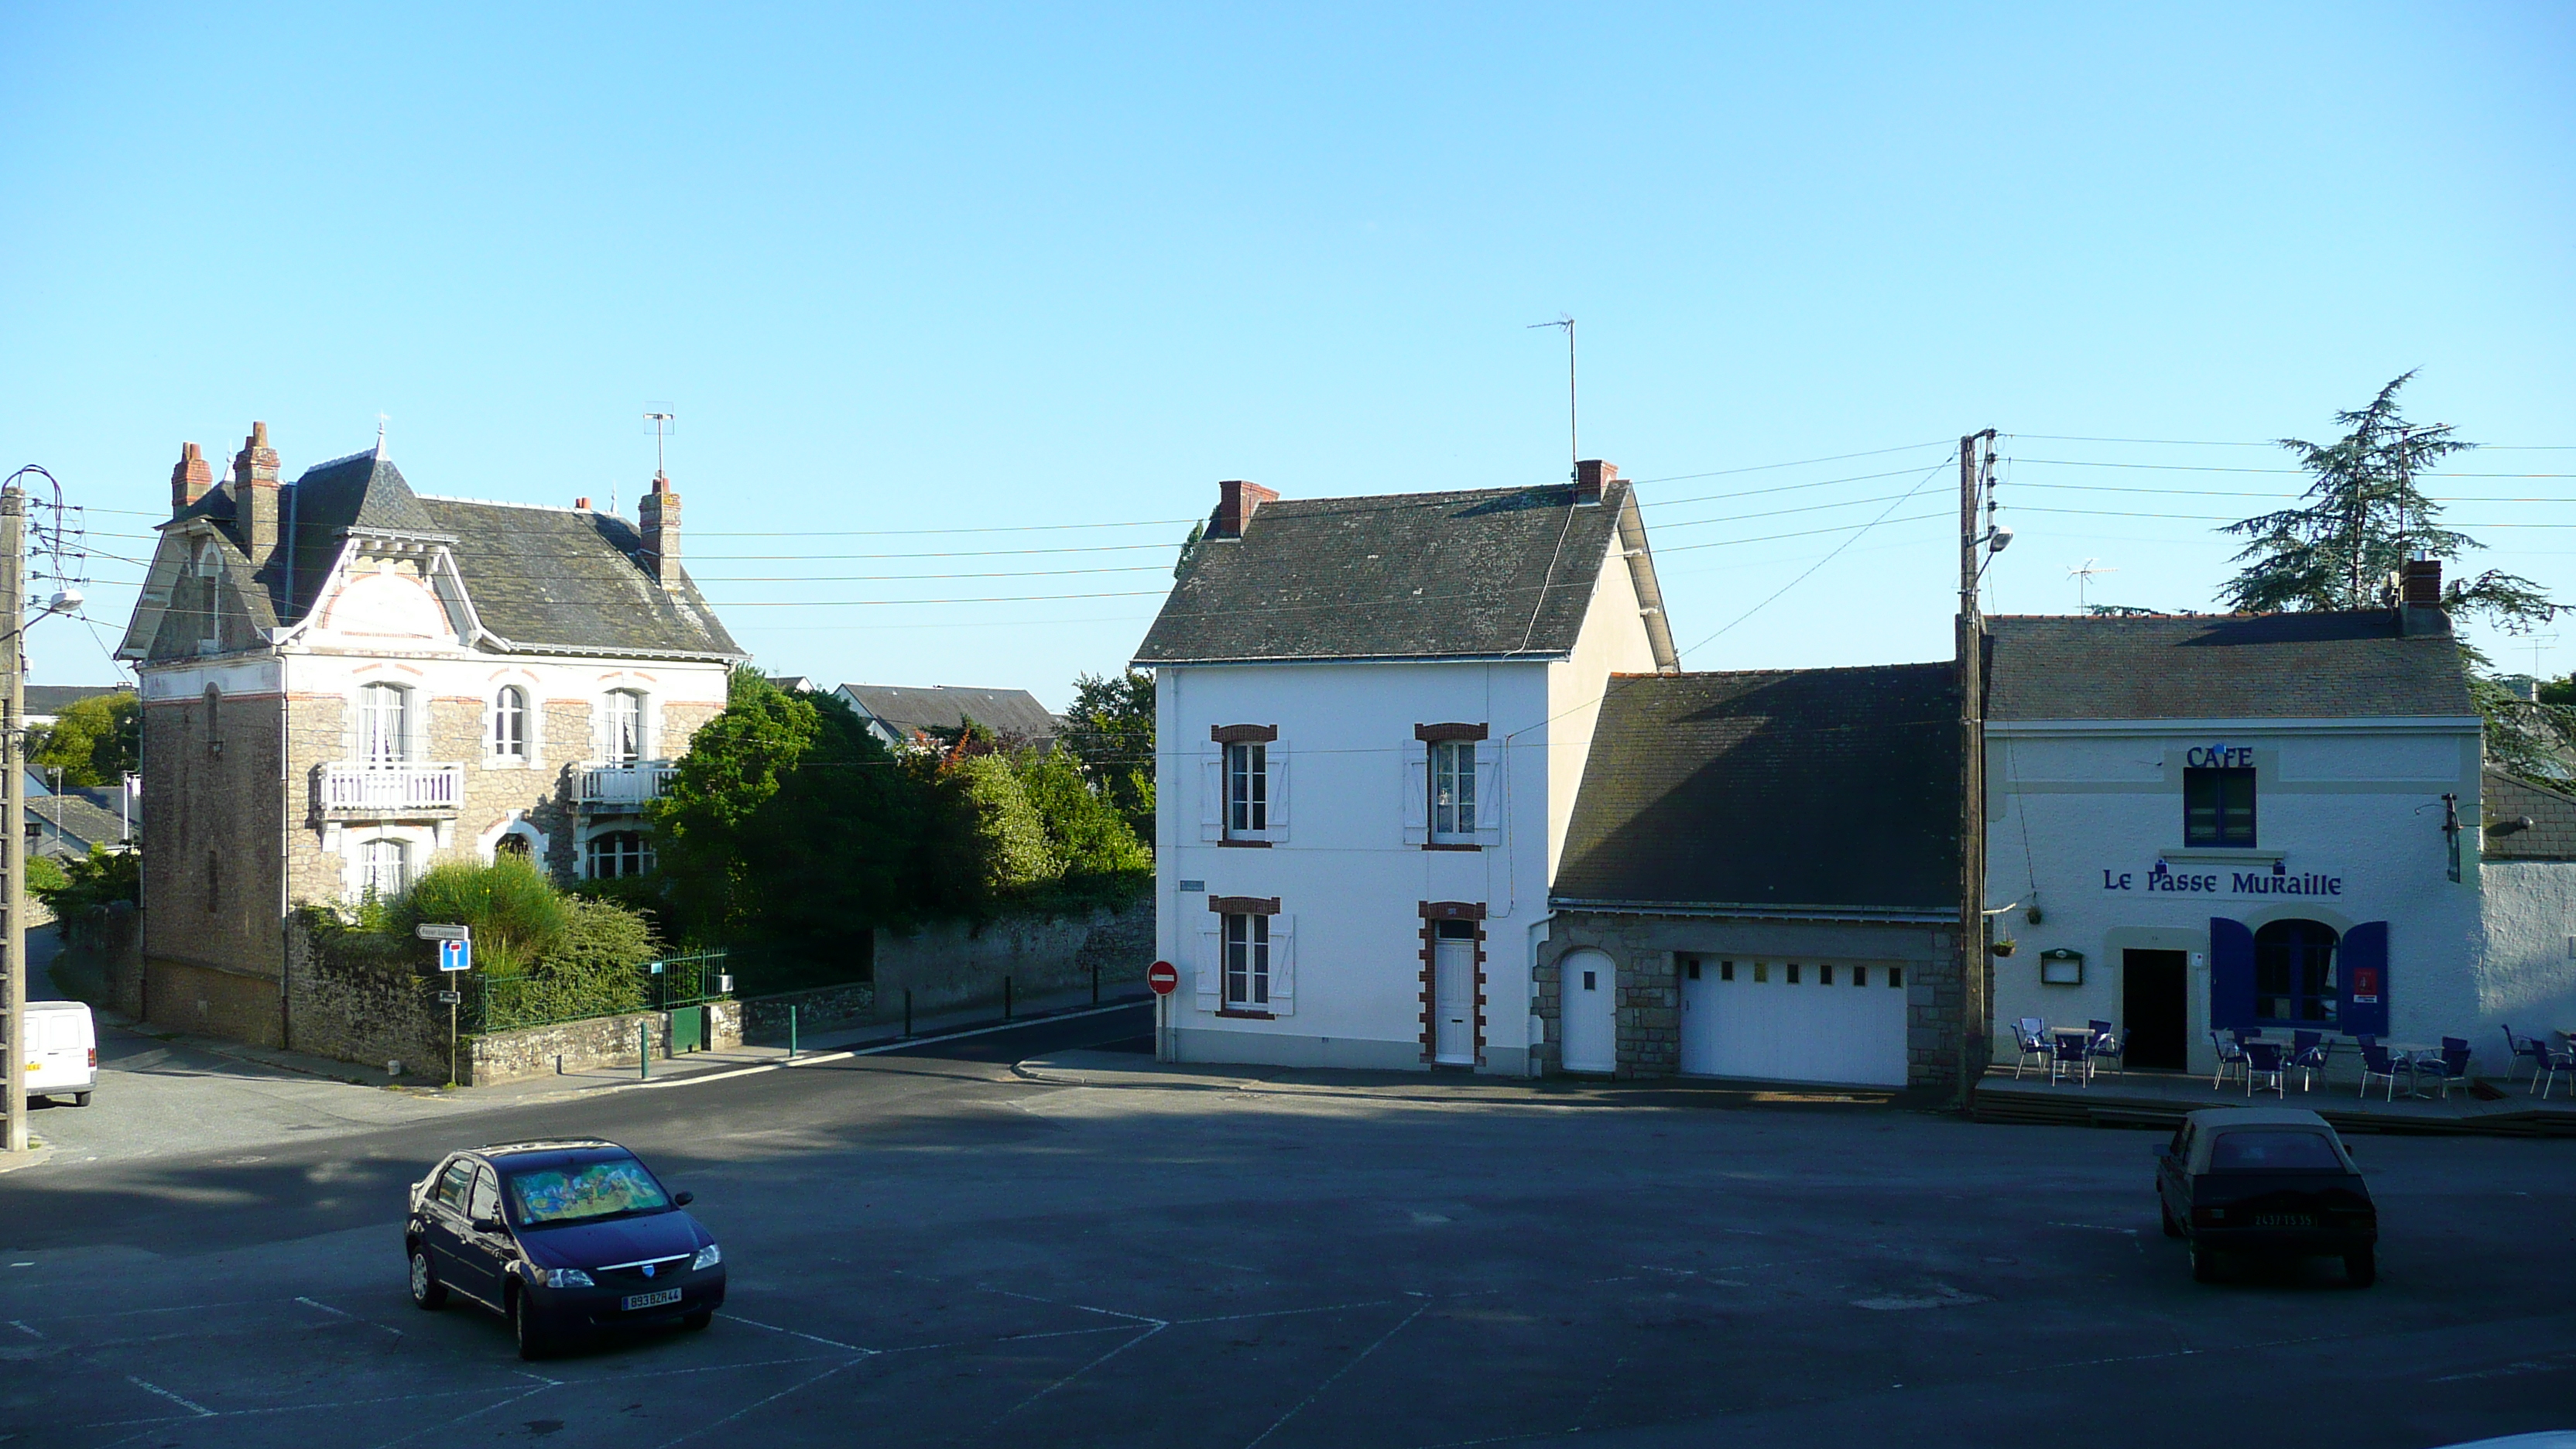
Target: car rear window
[[577, 1191], [2288, 1149]]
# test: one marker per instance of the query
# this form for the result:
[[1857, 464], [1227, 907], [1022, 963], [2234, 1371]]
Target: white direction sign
[[429, 932]]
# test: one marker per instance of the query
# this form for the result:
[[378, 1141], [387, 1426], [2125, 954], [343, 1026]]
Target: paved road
[[928, 1249]]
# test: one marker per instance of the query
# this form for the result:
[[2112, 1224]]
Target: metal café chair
[[2071, 1055], [2309, 1051], [2031, 1034], [2107, 1044], [2547, 1064], [2231, 1056], [2520, 1049], [2264, 1059], [2451, 1068], [2376, 1062]]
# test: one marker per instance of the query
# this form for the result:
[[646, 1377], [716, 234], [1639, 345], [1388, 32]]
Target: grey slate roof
[[904, 709], [48, 700], [544, 579], [70, 825], [1476, 573], [1833, 789], [559, 578], [2340, 665], [2552, 813]]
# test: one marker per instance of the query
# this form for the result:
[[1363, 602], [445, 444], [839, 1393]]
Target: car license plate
[[652, 1300], [2284, 1220]]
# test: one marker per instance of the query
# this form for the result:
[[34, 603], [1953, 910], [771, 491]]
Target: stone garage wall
[[825, 1008]]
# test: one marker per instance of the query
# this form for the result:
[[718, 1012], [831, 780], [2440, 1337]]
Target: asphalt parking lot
[[925, 1248]]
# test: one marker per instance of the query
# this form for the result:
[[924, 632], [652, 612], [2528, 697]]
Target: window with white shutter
[[1416, 787], [1283, 965], [1490, 788], [1244, 786], [1211, 987]]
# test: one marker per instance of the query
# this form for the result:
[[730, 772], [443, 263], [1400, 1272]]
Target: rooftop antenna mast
[[659, 418], [2083, 574], [1573, 444]]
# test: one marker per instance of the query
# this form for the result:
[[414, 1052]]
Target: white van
[[62, 1051]]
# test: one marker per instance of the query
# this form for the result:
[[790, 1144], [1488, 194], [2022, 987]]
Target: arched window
[[515, 845], [2294, 974], [383, 724], [620, 853], [384, 869], [624, 741], [510, 723]]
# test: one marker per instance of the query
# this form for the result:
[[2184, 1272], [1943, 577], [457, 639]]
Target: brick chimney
[[190, 480], [1236, 502], [1590, 477], [2419, 598], [658, 513], [255, 497]]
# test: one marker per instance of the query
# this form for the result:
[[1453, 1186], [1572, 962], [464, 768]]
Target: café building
[[2281, 822]]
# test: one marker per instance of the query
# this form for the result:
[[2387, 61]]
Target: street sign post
[[1163, 978], [455, 953]]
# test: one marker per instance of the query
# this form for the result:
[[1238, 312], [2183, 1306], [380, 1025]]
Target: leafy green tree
[[736, 764], [1088, 833], [2363, 518], [1014, 852], [1110, 730], [106, 876], [97, 741]]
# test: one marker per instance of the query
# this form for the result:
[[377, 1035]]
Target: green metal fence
[[504, 1003]]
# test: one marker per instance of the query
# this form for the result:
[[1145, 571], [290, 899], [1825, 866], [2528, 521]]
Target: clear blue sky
[[979, 267]]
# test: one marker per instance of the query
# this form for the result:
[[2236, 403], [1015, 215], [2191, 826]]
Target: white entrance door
[[1793, 1021], [1453, 987], [1591, 1022]]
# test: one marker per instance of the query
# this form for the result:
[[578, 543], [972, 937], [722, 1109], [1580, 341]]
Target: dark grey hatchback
[[560, 1238], [2273, 1182]]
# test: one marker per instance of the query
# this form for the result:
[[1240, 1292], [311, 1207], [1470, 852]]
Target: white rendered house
[[1372, 715]]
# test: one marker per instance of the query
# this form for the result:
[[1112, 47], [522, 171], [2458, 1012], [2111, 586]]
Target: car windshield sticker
[[598, 1189]]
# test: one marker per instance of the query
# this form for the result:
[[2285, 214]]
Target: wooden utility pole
[[13, 815], [1973, 995]]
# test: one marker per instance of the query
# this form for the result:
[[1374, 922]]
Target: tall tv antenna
[[2083, 574], [661, 421], [1573, 444]]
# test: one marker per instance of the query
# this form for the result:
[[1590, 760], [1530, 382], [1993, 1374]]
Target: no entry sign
[[1164, 977]]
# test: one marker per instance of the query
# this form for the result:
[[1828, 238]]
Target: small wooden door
[[1453, 984], [2154, 1008]]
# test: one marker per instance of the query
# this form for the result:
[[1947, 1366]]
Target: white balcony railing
[[361, 788], [622, 787]]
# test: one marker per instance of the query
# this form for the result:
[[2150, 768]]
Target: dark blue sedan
[[560, 1238]]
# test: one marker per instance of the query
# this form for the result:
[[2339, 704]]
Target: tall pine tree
[[2362, 518]]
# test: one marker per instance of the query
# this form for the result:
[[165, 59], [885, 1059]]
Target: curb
[[36, 1155]]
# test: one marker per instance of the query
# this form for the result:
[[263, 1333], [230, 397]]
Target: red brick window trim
[[1244, 734], [1436, 732], [1433, 913], [1244, 905]]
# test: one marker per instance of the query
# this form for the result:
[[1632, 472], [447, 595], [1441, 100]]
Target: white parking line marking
[[792, 1333], [1077, 1373], [763, 1403], [189, 1404], [353, 1318], [1085, 1307], [21, 1326], [1300, 1405]]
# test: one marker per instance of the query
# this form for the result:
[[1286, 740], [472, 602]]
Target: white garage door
[[1793, 1021]]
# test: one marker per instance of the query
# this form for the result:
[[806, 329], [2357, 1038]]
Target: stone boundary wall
[[366, 1011], [955, 965], [825, 1008], [578, 1046], [101, 960]]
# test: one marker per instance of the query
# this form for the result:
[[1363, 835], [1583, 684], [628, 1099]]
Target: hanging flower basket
[[2003, 947]]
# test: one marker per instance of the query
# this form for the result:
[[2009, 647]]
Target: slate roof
[[2327, 665], [70, 825], [1830, 789], [2552, 813], [48, 700], [562, 578], [905, 709], [542, 579], [1477, 573]]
